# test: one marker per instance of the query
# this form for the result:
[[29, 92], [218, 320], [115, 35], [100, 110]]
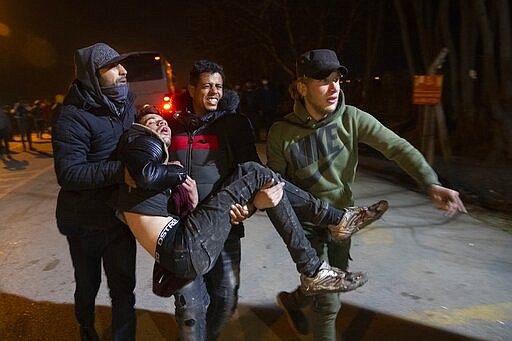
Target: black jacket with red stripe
[[211, 146]]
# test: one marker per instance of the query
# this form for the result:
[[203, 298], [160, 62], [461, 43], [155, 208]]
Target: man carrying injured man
[[188, 247]]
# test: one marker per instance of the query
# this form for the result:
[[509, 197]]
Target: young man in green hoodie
[[315, 147]]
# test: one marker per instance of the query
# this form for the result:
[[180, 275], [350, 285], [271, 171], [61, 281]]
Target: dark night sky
[[38, 39]]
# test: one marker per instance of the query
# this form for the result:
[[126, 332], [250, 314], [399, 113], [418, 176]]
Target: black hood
[[86, 91], [229, 101]]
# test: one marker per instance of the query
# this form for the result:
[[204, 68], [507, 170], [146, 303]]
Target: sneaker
[[331, 279], [356, 218], [295, 316]]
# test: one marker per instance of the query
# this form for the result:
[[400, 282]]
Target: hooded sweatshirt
[[87, 62], [321, 157]]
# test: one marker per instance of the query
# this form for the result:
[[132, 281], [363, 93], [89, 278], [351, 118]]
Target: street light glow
[[5, 31]]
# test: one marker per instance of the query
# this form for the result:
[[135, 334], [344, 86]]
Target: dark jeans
[[223, 282], [26, 136], [4, 139], [114, 245], [191, 302], [200, 237], [219, 295]]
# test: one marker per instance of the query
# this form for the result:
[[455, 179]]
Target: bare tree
[[406, 40], [479, 92], [505, 49], [453, 100], [501, 122], [256, 38], [374, 24], [467, 70], [274, 32]]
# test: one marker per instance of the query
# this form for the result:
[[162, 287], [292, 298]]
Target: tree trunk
[[467, 69], [467, 132], [500, 123], [406, 42], [505, 52], [373, 39], [423, 16], [444, 23]]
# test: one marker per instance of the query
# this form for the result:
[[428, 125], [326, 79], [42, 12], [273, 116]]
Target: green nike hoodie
[[321, 157]]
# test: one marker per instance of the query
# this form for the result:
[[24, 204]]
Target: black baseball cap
[[318, 64]]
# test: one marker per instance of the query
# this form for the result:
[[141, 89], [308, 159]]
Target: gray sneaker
[[295, 316], [356, 218], [331, 279]]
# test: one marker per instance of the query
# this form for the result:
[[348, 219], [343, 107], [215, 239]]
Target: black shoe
[[295, 316], [88, 334]]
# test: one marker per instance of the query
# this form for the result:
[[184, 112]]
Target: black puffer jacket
[[211, 146], [145, 156], [84, 139]]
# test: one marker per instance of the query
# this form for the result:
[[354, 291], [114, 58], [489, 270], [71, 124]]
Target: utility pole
[[433, 117]]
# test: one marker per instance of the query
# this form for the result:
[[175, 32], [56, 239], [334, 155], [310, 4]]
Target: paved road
[[430, 277]]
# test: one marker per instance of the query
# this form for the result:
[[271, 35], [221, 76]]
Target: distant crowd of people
[[25, 118], [259, 101]]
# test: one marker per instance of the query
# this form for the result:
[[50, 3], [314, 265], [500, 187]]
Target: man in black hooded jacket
[[96, 111], [210, 140]]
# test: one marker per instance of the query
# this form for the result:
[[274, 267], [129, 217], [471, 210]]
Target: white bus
[[151, 79]]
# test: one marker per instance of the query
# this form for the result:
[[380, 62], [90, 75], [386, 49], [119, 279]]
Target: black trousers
[[112, 245], [194, 243]]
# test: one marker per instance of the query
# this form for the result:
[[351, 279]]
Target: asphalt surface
[[430, 277]]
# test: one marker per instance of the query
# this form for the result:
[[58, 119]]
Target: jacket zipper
[[189, 151]]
